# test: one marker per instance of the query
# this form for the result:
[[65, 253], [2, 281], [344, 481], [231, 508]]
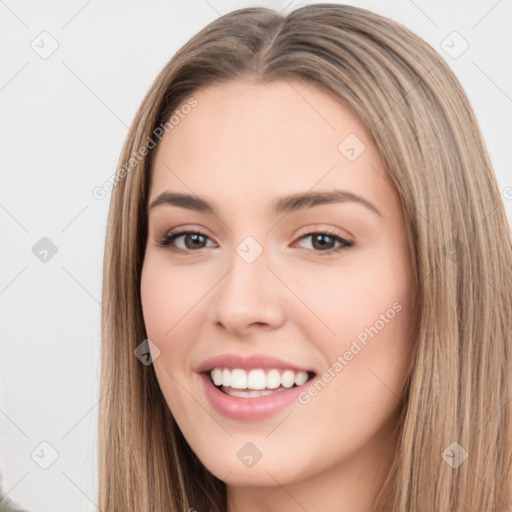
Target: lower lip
[[250, 408]]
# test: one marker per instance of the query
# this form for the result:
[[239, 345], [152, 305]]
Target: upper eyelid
[[189, 232], [311, 231], [308, 233], [185, 232]]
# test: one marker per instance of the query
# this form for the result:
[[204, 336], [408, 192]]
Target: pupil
[[319, 241], [196, 240]]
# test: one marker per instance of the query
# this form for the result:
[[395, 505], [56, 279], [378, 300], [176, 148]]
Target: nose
[[248, 297]]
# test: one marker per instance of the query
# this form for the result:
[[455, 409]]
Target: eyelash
[[167, 240]]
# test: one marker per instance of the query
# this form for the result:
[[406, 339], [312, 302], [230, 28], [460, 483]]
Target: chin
[[249, 461]]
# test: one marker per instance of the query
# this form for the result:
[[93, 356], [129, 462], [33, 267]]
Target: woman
[[306, 280]]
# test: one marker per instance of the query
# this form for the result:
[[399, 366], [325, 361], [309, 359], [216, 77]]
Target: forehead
[[259, 140]]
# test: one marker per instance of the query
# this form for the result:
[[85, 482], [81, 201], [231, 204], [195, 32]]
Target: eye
[[325, 242], [192, 240]]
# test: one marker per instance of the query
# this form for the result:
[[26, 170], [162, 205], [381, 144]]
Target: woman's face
[[300, 267]]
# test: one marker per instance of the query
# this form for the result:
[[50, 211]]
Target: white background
[[64, 120]]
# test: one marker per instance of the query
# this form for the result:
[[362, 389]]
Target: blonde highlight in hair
[[459, 385]]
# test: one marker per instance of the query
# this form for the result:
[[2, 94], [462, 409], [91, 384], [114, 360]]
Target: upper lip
[[248, 363]]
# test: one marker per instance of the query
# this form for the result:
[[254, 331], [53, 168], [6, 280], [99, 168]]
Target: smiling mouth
[[257, 382]]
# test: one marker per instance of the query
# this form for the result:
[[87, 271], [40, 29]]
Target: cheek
[[368, 309], [168, 297], [165, 302], [173, 307], [355, 296], [359, 391]]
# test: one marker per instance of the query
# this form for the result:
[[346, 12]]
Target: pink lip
[[247, 363], [249, 408]]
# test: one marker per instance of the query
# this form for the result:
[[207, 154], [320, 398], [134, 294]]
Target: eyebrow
[[283, 205]]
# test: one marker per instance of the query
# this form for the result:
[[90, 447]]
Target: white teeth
[[217, 376], [238, 379], [300, 378], [258, 380], [288, 378], [247, 394], [273, 379], [226, 377]]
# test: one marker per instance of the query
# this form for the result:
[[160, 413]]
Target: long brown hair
[[459, 388]]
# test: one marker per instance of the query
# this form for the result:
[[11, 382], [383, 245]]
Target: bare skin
[[241, 148]]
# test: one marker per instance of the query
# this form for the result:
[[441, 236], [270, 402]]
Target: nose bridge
[[247, 279], [247, 293]]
